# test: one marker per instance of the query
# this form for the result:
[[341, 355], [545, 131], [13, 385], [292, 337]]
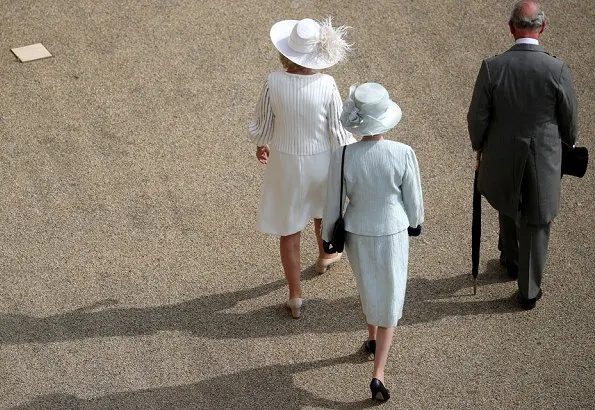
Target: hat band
[[301, 45]]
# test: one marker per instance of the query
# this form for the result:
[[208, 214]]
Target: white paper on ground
[[30, 53]]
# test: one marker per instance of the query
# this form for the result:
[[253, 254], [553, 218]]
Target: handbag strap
[[341, 192]]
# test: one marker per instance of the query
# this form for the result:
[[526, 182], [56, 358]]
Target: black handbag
[[574, 160], [337, 242]]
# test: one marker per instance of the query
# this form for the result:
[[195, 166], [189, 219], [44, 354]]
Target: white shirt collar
[[527, 41]]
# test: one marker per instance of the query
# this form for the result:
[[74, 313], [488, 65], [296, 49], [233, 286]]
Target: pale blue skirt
[[379, 264]]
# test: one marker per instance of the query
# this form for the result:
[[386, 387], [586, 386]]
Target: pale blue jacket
[[382, 183]]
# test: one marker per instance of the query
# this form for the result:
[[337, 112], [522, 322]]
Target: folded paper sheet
[[30, 53]]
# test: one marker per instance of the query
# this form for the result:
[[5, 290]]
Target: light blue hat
[[369, 110]]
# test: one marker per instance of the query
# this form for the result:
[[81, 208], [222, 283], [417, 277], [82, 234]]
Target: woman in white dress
[[381, 179], [295, 126]]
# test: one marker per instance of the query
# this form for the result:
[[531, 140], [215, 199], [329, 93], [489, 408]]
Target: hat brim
[[380, 125], [280, 33]]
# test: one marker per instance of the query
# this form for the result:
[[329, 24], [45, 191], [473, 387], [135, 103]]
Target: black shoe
[[370, 348], [528, 304], [511, 268], [379, 392]]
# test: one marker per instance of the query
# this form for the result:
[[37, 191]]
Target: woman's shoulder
[[326, 77], [274, 75], [284, 77], [399, 146]]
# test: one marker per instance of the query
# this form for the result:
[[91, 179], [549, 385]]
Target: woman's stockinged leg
[[384, 337], [290, 259], [370, 344], [321, 253], [372, 331]]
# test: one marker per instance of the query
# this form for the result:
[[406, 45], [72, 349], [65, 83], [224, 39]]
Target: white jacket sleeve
[[261, 127], [411, 190], [331, 210], [339, 136]]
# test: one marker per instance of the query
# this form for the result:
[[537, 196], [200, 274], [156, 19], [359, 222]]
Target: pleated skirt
[[379, 264], [293, 192]]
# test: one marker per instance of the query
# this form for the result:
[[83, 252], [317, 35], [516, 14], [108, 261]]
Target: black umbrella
[[476, 228]]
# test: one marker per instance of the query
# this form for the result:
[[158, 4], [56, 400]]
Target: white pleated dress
[[382, 182], [294, 191], [297, 116]]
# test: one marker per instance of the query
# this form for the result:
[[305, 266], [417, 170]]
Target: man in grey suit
[[523, 109]]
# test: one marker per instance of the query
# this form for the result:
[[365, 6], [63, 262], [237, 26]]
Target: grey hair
[[519, 20]]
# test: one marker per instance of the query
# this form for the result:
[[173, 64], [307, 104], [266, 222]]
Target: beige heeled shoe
[[322, 265], [295, 305]]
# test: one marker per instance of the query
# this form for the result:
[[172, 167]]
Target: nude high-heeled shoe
[[322, 265], [295, 305]]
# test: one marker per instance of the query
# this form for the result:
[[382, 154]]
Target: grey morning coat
[[523, 108]]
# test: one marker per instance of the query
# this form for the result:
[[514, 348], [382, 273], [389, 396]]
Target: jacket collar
[[527, 47]]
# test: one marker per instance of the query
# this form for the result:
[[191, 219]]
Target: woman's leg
[[370, 344], [372, 330], [290, 259], [321, 253], [384, 339]]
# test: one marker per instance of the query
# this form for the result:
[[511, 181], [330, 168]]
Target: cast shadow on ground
[[270, 387], [429, 300], [207, 317]]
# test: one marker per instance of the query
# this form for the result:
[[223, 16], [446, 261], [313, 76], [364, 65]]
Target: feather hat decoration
[[310, 43], [332, 43]]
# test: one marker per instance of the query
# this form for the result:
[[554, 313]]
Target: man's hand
[[262, 154]]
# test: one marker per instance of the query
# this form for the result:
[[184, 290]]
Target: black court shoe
[[379, 392], [370, 348]]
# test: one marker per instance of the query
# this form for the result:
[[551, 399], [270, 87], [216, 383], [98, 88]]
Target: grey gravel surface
[[132, 275]]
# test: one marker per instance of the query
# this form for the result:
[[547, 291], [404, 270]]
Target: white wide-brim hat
[[369, 110], [310, 43]]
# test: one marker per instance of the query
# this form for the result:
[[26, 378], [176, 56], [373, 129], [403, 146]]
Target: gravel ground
[[132, 275]]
